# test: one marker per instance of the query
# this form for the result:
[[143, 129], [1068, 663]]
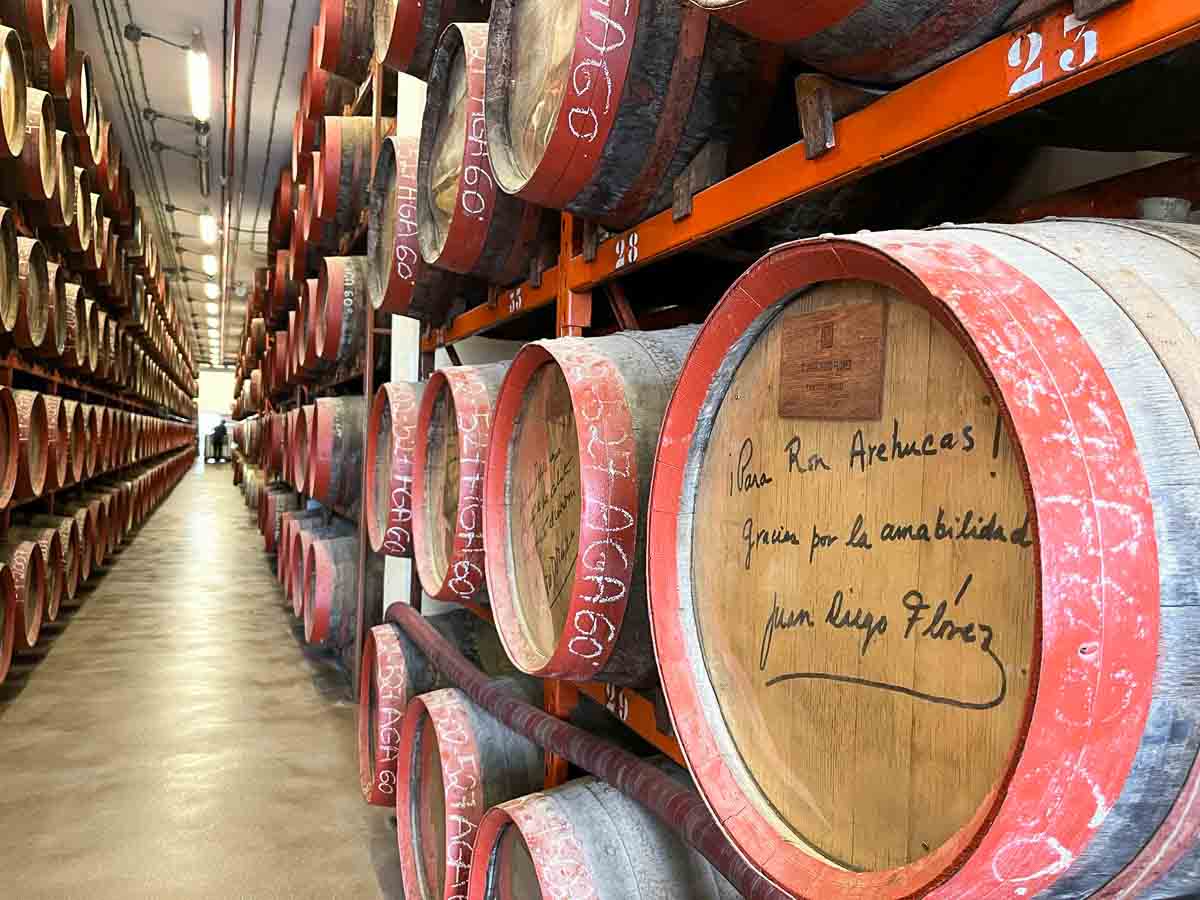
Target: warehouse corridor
[[178, 740]]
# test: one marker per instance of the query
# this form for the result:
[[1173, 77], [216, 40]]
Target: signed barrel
[[401, 282], [345, 161], [393, 671], [33, 429], [568, 469], [454, 763], [33, 294], [33, 174], [465, 223], [587, 839], [869, 40], [406, 33], [597, 109], [391, 448], [24, 559], [56, 314], [340, 321], [454, 428], [55, 564], [68, 530], [59, 449], [335, 449], [919, 480]]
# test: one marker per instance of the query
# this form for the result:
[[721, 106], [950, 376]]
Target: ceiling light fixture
[[209, 264], [212, 308], [208, 227], [212, 292], [198, 82]]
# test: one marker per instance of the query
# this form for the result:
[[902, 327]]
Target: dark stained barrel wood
[[327, 93], [466, 223], [1065, 347], [869, 40], [78, 110], [566, 495], [10, 296], [48, 69], [391, 448], [36, 20], [393, 671], [56, 319], [345, 30], [406, 34], [454, 763], [346, 172], [335, 456], [401, 282], [597, 109], [454, 429], [587, 839], [341, 322]]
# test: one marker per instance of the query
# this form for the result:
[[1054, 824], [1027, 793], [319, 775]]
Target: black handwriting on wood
[[743, 479], [780, 619], [753, 538], [814, 463]]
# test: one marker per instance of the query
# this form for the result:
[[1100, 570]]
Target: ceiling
[[133, 77]]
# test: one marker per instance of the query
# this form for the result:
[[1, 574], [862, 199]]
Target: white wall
[[216, 390]]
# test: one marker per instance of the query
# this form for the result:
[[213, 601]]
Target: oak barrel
[[454, 763], [34, 174], [393, 671], [55, 564], [391, 448], [8, 620], [401, 282], [932, 483], [598, 109], [454, 427], [406, 33], [33, 293], [341, 323], [335, 450], [24, 559], [587, 841], [345, 175], [331, 591], [568, 474], [869, 40], [33, 430], [466, 224], [12, 94], [345, 30]]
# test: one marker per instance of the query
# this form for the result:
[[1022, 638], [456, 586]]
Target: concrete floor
[[175, 739]]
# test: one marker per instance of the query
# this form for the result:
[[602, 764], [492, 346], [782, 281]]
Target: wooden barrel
[[56, 314], [50, 542], [393, 671], [298, 447], [78, 110], [331, 592], [75, 347], [78, 235], [341, 323], [598, 110], [277, 501], [298, 556], [74, 449], [454, 763], [406, 34], [58, 443], [8, 620], [36, 20], [345, 171], [28, 566], [391, 448], [568, 477], [336, 450], [33, 293], [344, 34], [288, 524], [68, 530], [33, 428], [12, 94], [587, 839], [284, 208], [59, 209], [466, 224], [401, 282], [869, 40], [327, 93], [1034, 625], [34, 175], [49, 68], [454, 425]]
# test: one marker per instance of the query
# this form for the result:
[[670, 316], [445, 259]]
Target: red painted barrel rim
[[405, 264], [1005, 843], [470, 579], [318, 576], [395, 539], [585, 372], [35, 582], [559, 860], [296, 563], [448, 712], [466, 233], [384, 667], [397, 53], [569, 161]]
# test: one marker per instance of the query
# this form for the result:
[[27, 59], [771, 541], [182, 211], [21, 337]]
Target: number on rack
[[1056, 47], [1090, 39], [616, 702], [627, 250], [1033, 70], [514, 301]]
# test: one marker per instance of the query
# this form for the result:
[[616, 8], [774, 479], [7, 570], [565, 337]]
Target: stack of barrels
[[98, 379], [879, 690]]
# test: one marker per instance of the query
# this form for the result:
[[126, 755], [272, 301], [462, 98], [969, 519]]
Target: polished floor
[[173, 738]]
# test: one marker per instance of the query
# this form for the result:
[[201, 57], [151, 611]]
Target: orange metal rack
[[1049, 53]]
